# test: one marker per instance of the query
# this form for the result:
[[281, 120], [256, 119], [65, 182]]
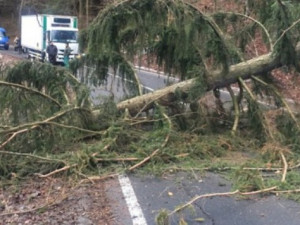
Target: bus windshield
[[64, 36]]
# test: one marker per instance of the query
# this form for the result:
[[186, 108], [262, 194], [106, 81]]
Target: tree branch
[[157, 150], [55, 171], [225, 194], [257, 22], [285, 166], [30, 90]]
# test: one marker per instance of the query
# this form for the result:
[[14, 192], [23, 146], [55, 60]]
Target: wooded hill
[[10, 11]]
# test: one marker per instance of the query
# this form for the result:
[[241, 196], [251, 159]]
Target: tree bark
[[87, 12], [217, 79], [80, 11]]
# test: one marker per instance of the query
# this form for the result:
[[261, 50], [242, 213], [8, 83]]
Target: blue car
[[4, 39]]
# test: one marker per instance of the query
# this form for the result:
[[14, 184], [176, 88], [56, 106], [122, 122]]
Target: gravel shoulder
[[56, 202]]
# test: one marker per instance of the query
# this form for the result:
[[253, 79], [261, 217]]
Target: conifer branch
[[12, 137], [285, 31], [262, 116], [287, 107], [31, 90], [31, 156], [30, 126], [257, 22]]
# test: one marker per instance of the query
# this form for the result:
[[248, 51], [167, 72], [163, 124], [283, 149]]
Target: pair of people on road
[[52, 53]]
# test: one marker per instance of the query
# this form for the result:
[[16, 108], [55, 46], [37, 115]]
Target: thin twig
[[98, 178], [286, 191], [247, 88], [34, 125], [144, 160], [12, 137], [73, 127], [285, 167], [55, 171], [85, 176], [224, 194], [236, 110], [259, 191], [116, 159], [285, 31], [262, 169], [31, 155], [203, 196], [295, 167]]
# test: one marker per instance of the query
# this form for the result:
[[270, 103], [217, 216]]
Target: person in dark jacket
[[52, 53]]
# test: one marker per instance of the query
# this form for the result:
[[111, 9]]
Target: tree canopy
[[183, 39]]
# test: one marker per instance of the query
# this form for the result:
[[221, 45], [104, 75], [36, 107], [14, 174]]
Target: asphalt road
[[155, 194]]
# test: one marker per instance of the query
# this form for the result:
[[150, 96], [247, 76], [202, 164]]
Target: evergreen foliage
[[178, 35], [40, 100]]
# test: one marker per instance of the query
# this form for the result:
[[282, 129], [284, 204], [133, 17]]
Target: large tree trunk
[[218, 79]]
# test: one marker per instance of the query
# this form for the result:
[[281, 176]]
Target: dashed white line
[[134, 207]]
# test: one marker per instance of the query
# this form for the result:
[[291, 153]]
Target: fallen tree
[[256, 66], [46, 113]]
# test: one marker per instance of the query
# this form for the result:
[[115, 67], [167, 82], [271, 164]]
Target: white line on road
[[134, 208], [130, 81]]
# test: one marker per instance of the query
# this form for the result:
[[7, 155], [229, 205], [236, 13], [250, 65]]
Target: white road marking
[[130, 81], [134, 208]]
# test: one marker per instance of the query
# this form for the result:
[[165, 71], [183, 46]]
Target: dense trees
[[86, 10]]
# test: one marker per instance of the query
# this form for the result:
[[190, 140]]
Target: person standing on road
[[52, 53], [17, 43], [67, 53]]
